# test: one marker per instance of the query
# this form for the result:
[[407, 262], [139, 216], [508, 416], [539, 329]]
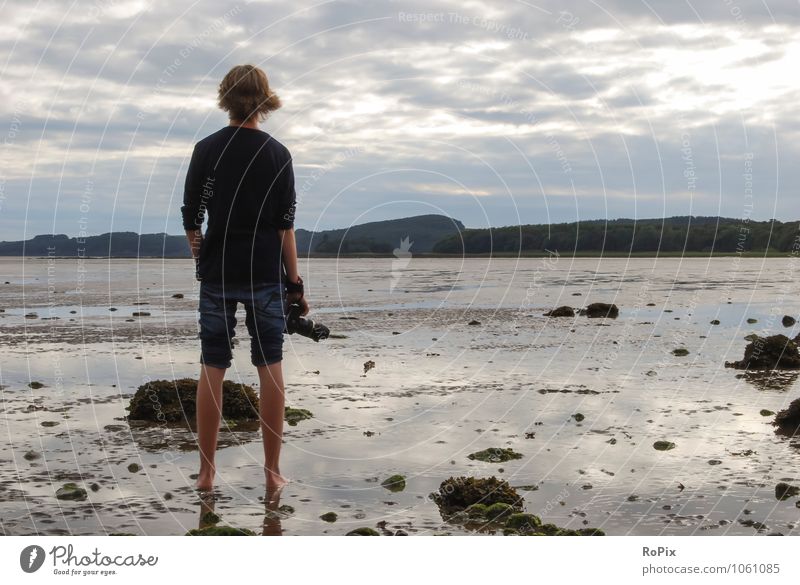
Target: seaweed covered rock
[[394, 483], [215, 530], [495, 455], [176, 401], [292, 416], [459, 493], [776, 352], [363, 531], [595, 310], [71, 491], [788, 419], [564, 311]]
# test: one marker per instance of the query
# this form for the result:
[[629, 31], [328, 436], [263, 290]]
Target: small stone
[[363, 531], [71, 491], [663, 445], [134, 467], [681, 351], [329, 517], [784, 491], [788, 321], [394, 483]]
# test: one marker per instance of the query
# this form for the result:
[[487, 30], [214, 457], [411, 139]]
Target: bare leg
[[209, 412], [271, 413]]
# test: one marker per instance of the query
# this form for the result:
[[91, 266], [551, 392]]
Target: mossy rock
[[363, 531], [578, 417], [495, 455], [600, 310], [292, 416], [477, 511], [459, 493], [788, 419], [663, 445], [210, 518], [680, 352], [134, 467], [564, 311], [215, 530], [329, 517], [523, 523], [784, 491], [765, 412], [175, 401], [35, 385], [499, 510], [71, 491], [776, 352], [394, 483]]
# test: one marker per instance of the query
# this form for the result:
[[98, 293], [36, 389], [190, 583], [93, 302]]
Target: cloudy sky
[[496, 113]]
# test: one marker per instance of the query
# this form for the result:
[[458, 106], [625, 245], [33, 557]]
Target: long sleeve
[[193, 211], [285, 197]]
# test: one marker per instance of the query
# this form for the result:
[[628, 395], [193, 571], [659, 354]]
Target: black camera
[[296, 323]]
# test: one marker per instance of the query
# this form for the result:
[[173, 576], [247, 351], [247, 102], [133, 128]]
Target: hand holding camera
[[297, 308]]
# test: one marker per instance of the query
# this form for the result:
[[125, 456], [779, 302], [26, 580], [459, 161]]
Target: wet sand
[[440, 390]]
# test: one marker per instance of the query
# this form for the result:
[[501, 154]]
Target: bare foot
[[205, 480], [275, 480]]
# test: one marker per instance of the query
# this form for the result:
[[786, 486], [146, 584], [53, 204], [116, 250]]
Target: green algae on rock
[[174, 401], [329, 517], [523, 523], [456, 494], [680, 352], [495, 455], [292, 416], [663, 445], [71, 491], [775, 352], [363, 531], [394, 483], [216, 530]]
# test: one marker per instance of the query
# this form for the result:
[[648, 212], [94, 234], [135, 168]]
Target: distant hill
[[439, 234], [671, 234], [379, 237]]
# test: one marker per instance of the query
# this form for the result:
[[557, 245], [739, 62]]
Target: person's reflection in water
[[272, 515]]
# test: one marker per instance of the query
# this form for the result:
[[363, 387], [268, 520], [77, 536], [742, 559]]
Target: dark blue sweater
[[243, 179]]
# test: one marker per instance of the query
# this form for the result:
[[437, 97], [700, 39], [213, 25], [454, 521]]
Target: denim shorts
[[264, 307]]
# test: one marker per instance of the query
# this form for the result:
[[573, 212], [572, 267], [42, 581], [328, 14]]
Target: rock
[[368, 365], [788, 321], [216, 530], [134, 467], [499, 510], [459, 493], [715, 322], [765, 412], [776, 352], [474, 322], [563, 311], [401, 532], [329, 517], [210, 518], [596, 310], [680, 351], [752, 321], [175, 401], [292, 416], [140, 314], [663, 445], [394, 483], [578, 417], [364, 531], [788, 419], [71, 491], [523, 523], [177, 296], [35, 385], [784, 491], [31, 455], [495, 455]]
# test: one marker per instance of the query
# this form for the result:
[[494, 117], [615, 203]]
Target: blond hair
[[244, 93]]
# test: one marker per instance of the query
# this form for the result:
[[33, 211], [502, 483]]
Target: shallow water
[[441, 389]]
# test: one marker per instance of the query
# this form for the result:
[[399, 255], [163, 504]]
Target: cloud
[[546, 111]]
